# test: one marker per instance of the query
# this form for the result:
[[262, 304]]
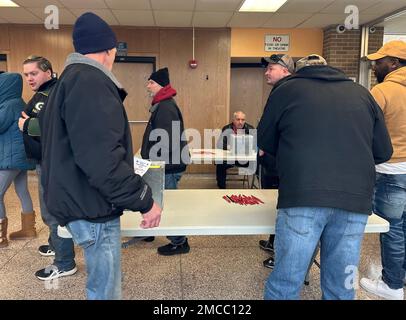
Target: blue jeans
[[389, 202], [101, 243], [298, 231], [19, 177], [63, 247], [171, 183]]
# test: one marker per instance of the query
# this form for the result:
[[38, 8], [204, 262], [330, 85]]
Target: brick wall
[[375, 42], [342, 50]]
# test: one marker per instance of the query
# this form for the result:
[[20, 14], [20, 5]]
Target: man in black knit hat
[[166, 119], [88, 166]]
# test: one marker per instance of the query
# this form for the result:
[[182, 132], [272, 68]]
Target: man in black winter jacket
[[327, 134], [278, 68], [164, 140], [88, 166], [38, 74]]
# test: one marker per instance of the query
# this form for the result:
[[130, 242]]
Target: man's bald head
[[239, 119]]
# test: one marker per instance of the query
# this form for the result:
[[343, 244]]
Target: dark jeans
[[269, 181], [171, 183], [63, 247], [390, 203]]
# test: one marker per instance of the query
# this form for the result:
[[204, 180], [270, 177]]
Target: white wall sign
[[277, 42]]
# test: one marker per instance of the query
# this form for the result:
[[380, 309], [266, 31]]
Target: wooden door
[[249, 93], [133, 77], [3, 65]]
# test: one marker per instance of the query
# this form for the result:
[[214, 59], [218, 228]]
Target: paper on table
[[141, 166]]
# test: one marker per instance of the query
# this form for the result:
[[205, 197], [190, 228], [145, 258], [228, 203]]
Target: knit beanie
[[160, 76], [92, 34]]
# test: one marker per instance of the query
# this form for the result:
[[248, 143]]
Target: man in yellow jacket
[[389, 65]]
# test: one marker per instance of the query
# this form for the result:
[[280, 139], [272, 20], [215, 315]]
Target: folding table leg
[[313, 260]]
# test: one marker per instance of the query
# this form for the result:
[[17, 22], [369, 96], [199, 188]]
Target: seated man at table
[[238, 126]]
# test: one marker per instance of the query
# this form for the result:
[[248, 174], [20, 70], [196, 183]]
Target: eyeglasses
[[277, 58]]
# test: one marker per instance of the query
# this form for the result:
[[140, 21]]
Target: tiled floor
[[217, 267]]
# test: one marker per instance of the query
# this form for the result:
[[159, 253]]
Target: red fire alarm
[[193, 64]]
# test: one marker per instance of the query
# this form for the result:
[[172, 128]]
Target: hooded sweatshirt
[[391, 97], [12, 153], [327, 133]]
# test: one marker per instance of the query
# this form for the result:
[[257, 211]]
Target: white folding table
[[205, 212], [207, 156]]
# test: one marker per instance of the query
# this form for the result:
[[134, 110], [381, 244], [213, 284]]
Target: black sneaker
[[171, 249], [266, 245], [269, 263], [45, 250], [148, 239], [52, 272]]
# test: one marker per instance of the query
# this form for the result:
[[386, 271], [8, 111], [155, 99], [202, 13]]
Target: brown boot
[[27, 228], [3, 233]]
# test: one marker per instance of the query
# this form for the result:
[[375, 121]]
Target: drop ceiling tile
[[83, 4], [304, 6], [38, 3], [365, 18], [385, 7], [321, 20], [173, 18], [105, 14], [340, 5], [140, 18], [286, 20], [173, 5], [65, 16], [19, 15], [211, 19], [128, 4], [217, 5], [249, 19]]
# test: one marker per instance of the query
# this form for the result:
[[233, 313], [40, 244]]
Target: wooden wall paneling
[[223, 66], [137, 132], [3, 65], [265, 92], [4, 38], [175, 51], [133, 76], [247, 93], [214, 56], [64, 47], [204, 102], [138, 39], [202, 92]]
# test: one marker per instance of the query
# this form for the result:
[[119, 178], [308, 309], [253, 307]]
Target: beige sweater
[[391, 97]]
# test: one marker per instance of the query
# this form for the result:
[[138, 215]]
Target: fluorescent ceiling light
[[261, 5], [8, 3]]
